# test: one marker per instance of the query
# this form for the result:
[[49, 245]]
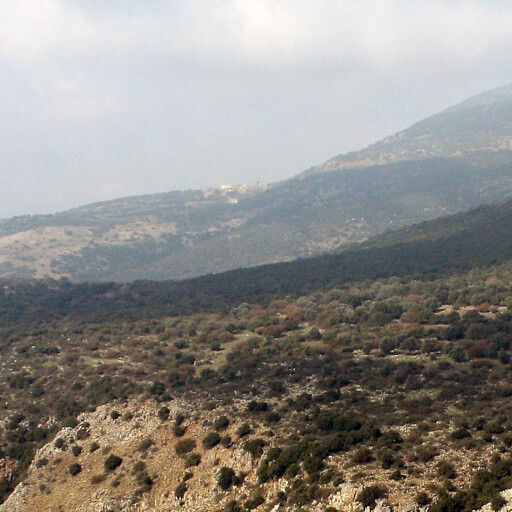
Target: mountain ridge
[[450, 162], [496, 103], [478, 239]]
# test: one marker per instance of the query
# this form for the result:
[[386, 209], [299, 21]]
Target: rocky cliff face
[[155, 472]]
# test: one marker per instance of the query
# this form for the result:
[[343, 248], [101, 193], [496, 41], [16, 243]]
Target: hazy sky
[[101, 99]]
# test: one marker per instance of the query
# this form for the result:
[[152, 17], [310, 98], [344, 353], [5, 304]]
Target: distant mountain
[[447, 163], [480, 129]]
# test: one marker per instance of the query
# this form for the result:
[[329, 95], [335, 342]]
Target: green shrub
[[254, 502], [178, 431], [422, 499], [145, 444], [180, 490], [232, 506], [460, 433], [76, 450], [211, 440], [370, 494], [74, 469], [59, 443], [184, 446], [227, 478], [163, 413], [445, 469], [93, 447], [244, 430], [221, 423], [255, 447], [194, 459], [362, 456], [112, 462]]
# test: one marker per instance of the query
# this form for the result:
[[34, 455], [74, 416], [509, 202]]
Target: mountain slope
[[448, 163], [480, 238], [474, 128]]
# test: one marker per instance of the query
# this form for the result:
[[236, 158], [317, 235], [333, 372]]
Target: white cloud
[[255, 32]]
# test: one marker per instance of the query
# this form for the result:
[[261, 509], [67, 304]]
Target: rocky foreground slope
[[161, 467]]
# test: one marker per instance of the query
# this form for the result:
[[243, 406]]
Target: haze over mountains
[[447, 163]]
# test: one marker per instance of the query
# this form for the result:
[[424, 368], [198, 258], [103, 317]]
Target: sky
[[104, 99]]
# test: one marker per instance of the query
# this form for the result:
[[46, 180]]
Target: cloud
[[254, 32]]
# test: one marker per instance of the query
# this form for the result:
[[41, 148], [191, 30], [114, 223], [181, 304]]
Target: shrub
[[460, 433], [362, 456], [114, 415], [445, 469], [185, 446], [163, 413], [232, 506], [180, 490], [59, 443], [144, 482], [254, 502], [497, 502], [370, 494], [193, 459], [138, 467], [255, 447], [244, 430], [93, 447], [42, 462], [221, 423], [82, 433], [422, 499], [226, 441], [97, 479], [145, 444], [227, 478], [178, 431], [76, 450], [494, 428], [387, 458], [74, 469], [157, 388], [254, 406], [211, 440], [112, 462]]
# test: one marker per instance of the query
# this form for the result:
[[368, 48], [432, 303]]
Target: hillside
[[474, 128], [448, 163], [479, 238], [392, 394], [375, 377]]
